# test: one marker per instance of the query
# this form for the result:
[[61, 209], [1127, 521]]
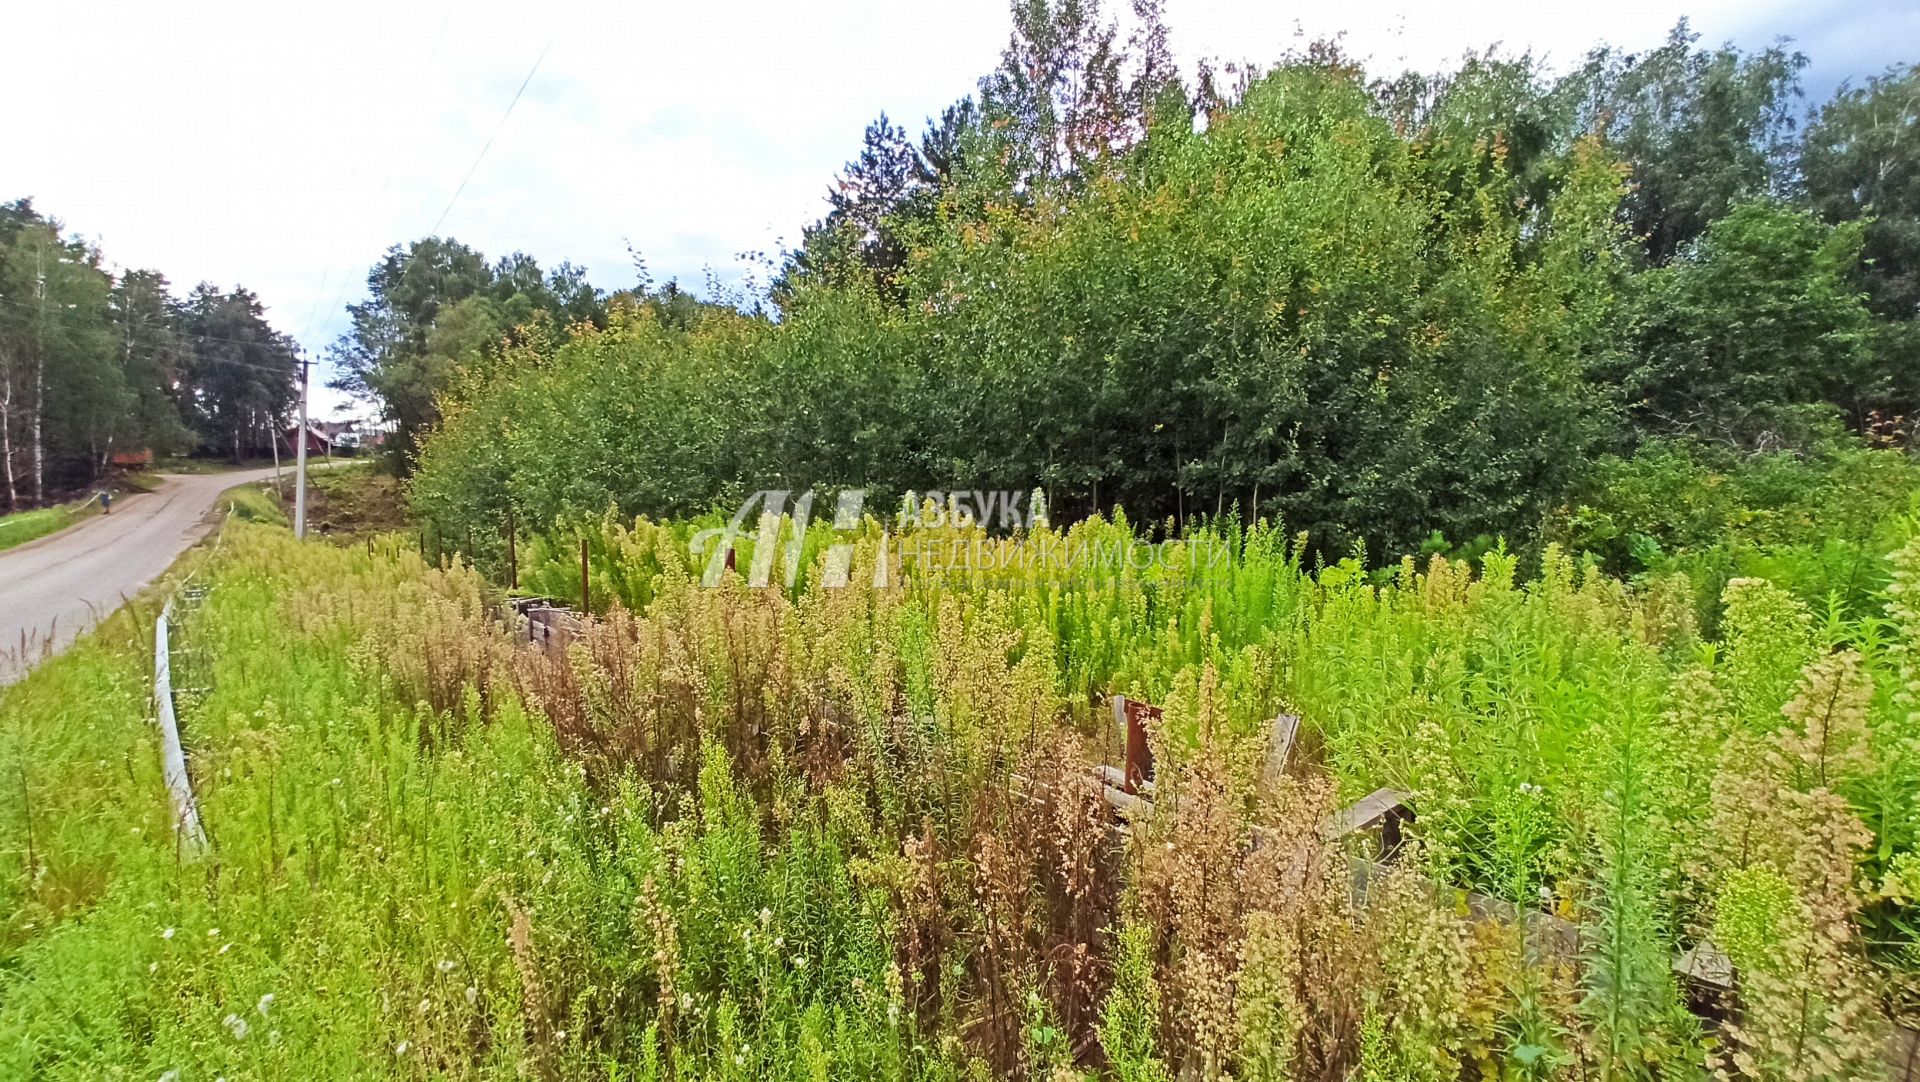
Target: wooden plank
[[1116, 777], [1126, 803], [1363, 813], [1280, 748]]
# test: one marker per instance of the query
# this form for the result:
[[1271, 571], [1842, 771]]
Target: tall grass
[[812, 832]]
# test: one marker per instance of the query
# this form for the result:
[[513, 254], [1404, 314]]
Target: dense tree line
[[1374, 308], [438, 303], [93, 363]]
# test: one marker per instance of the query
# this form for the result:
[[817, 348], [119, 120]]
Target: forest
[[95, 361]]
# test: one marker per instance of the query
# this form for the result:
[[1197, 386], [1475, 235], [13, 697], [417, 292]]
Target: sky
[[285, 146]]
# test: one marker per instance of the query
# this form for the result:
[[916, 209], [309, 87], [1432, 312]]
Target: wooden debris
[[1279, 748]]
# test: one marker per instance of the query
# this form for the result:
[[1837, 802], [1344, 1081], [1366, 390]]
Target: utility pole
[[300, 470]]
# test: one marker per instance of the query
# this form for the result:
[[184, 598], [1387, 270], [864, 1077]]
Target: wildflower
[[401, 1048], [766, 915], [800, 962], [425, 1006], [212, 933], [445, 965], [779, 941], [472, 994], [171, 1076], [153, 967], [266, 1001], [168, 934], [237, 1026], [224, 948]]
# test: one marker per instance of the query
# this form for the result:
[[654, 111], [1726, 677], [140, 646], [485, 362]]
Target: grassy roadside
[[409, 879], [353, 920], [24, 526]]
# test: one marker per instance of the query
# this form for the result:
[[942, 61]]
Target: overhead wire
[[501, 123], [57, 313], [433, 53]]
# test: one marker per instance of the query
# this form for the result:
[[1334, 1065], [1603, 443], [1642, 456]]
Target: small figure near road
[[106, 503]]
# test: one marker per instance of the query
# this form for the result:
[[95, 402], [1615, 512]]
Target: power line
[[496, 131]]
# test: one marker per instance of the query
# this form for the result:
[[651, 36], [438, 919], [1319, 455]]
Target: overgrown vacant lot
[[854, 833]]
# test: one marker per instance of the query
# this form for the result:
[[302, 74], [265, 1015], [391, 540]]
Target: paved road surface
[[54, 588]]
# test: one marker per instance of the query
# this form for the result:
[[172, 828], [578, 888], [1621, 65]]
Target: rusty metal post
[[1137, 768], [513, 555]]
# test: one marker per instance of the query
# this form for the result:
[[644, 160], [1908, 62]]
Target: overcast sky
[[285, 145]]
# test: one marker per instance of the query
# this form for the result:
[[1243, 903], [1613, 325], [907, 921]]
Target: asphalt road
[[56, 587]]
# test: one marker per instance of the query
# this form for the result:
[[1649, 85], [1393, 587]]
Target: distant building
[[319, 442]]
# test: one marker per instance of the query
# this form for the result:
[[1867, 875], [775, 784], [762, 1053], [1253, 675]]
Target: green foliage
[[1760, 317], [1705, 129], [1818, 524], [437, 306], [1131, 1015], [1293, 308]]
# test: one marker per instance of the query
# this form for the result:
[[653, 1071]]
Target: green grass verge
[[24, 526]]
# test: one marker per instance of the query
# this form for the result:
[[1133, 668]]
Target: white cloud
[[286, 145]]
